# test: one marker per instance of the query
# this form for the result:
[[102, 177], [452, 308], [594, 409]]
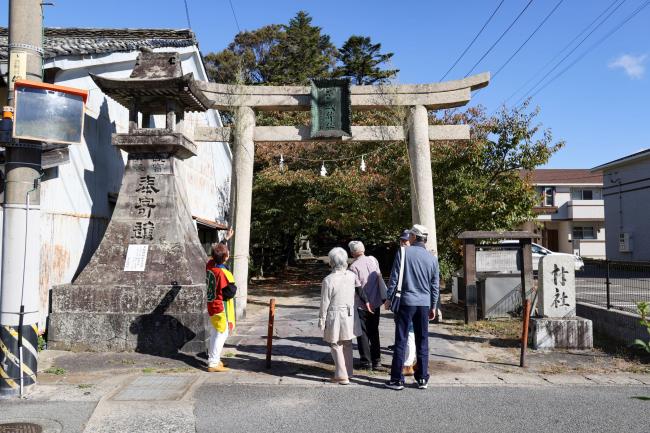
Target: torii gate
[[244, 100]]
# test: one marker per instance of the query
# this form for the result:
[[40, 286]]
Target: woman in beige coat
[[338, 317]]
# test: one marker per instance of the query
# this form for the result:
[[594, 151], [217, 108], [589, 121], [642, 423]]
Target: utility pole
[[19, 290]]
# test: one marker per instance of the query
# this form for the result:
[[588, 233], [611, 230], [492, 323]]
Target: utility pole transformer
[[19, 290]]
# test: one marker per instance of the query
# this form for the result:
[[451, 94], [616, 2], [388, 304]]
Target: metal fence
[[613, 285]]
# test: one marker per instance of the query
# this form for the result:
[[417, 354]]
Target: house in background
[[570, 215], [80, 183], [626, 192]]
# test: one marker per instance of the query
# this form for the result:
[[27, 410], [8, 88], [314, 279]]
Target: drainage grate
[[20, 427]]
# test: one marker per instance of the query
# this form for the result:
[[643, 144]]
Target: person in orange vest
[[221, 289]]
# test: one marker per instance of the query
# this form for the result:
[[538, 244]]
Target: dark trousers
[[420, 318], [368, 341]]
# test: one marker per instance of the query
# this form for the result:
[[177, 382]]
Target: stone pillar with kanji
[[144, 287], [557, 326]]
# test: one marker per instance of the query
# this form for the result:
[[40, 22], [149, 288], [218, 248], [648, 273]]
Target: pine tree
[[245, 59], [303, 53], [360, 60]]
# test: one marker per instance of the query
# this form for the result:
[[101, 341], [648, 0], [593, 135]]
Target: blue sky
[[599, 106]]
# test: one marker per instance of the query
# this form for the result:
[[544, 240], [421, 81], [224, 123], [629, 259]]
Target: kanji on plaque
[[147, 185], [158, 164], [557, 286], [144, 206], [143, 230]]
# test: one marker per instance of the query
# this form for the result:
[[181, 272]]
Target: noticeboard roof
[[55, 87], [497, 235]]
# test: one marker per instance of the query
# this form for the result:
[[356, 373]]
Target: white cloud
[[632, 65]]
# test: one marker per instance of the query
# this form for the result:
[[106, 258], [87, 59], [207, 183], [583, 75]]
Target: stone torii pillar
[[419, 98], [242, 179], [419, 149]]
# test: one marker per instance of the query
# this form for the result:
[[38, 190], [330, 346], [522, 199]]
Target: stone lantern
[[144, 286]]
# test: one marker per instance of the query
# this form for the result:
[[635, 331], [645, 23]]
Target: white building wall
[[576, 213], [627, 209]]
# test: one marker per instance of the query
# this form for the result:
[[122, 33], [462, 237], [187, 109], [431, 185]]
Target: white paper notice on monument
[[136, 258], [557, 286]]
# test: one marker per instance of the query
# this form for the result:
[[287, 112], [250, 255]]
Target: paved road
[[624, 292], [450, 409], [210, 407]]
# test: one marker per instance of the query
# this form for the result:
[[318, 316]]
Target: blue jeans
[[419, 316]]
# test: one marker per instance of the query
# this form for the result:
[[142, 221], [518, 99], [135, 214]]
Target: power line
[[187, 15], [499, 39], [588, 50], [528, 39], [541, 80], [523, 44], [559, 53], [234, 15], [473, 40]]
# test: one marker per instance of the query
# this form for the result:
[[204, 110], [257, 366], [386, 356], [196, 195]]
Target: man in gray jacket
[[419, 295]]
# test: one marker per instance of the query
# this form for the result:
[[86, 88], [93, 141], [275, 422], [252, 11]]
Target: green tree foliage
[[275, 54], [246, 58], [291, 54], [303, 53], [477, 186], [361, 60]]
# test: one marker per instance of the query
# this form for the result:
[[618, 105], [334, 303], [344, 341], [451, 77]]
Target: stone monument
[[144, 286], [558, 327], [304, 253]]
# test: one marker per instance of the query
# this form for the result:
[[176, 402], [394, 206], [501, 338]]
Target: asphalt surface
[[625, 293], [358, 408], [237, 408], [64, 416]]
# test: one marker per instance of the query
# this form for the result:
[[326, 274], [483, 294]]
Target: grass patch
[[174, 370], [58, 371], [85, 385], [553, 369], [629, 359], [500, 328], [228, 355], [152, 370], [42, 344]]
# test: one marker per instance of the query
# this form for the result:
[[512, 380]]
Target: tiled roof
[[545, 176], [76, 41]]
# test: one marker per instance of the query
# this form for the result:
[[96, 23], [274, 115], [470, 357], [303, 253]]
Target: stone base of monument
[[148, 319], [554, 333]]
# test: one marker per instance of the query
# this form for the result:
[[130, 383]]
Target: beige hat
[[419, 230]]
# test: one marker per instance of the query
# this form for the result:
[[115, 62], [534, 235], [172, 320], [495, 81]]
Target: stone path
[[300, 356]]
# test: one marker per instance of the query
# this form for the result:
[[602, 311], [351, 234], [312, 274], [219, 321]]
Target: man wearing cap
[[419, 295], [369, 280]]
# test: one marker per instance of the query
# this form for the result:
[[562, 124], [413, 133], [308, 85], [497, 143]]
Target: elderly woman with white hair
[[338, 317]]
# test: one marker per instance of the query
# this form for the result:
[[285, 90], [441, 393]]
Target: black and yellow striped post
[[10, 357]]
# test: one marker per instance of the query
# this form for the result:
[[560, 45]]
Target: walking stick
[[524, 333], [269, 333]]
